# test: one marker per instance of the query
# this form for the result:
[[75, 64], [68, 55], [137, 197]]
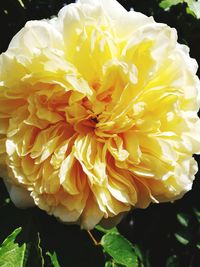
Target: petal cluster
[[98, 113]]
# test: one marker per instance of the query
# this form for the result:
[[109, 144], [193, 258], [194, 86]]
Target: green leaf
[[183, 219], [5, 202], [21, 3], [101, 229], [113, 264], [105, 231], [54, 259], [108, 264], [120, 249], [197, 214], [182, 238], [11, 253], [139, 253], [198, 245], [166, 4], [172, 261], [194, 8], [143, 256], [16, 252]]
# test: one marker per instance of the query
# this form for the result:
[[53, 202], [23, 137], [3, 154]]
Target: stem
[[93, 239]]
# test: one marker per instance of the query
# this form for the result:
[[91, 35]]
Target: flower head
[[98, 113]]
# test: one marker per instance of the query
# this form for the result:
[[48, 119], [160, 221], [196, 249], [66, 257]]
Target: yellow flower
[[98, 113]]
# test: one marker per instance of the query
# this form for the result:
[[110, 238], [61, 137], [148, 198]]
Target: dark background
[[153, 230]]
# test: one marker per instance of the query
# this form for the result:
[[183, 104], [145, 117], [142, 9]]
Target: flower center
[[94, 119]]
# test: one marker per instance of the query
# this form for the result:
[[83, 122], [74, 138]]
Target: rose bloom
[[98, 114]]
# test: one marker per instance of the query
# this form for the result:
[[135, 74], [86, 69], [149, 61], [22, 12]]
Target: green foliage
[[172, 261], [168, 3], [16, 253], [197, 214], [105, 231], [108, 264], [11, 254], [183, 219], [182, 238], [54, 259], [198, 245], [189, 223], [120, 249], [21, 3], [193, 6]]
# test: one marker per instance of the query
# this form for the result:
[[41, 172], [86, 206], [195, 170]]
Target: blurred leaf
[[5, 202], [112, 264], [183, 219], [139, 253], [197, 214], [182, 238], [172, 261], [16, 252], [165, 4], [193, 8], [21, 3], [54, 259], [108, 264], [120, 249], [198, 245], [143, 256]]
